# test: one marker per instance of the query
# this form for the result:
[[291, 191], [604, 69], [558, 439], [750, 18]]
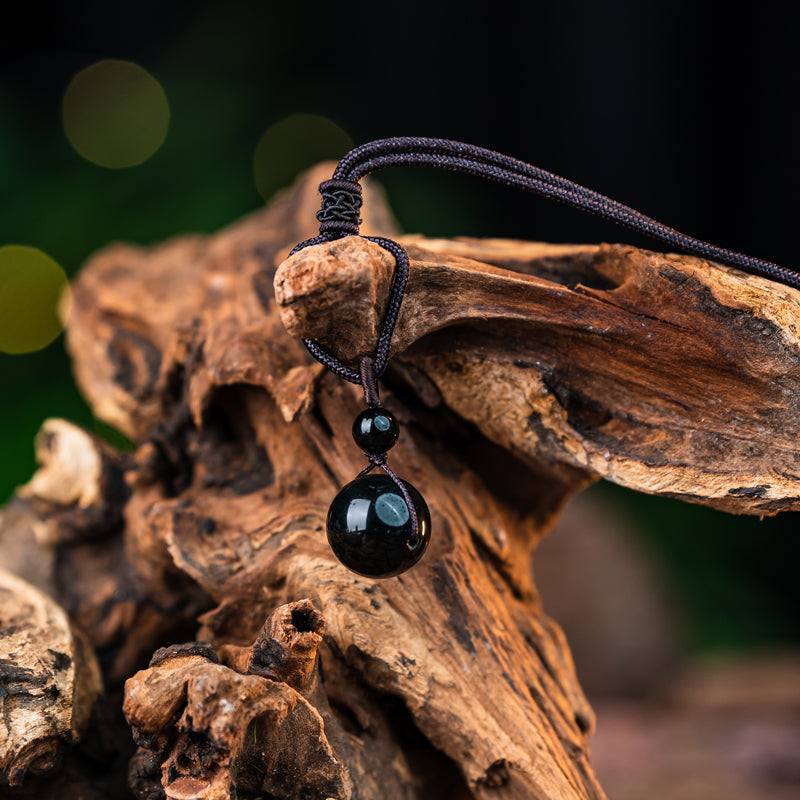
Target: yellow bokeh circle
[[34, 299], [294, 144], [115, 114]]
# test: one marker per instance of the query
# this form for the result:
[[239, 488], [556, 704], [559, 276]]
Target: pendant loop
[[366, 369]]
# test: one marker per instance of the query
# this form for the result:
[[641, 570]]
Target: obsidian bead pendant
[[375, 430], [370, 529]]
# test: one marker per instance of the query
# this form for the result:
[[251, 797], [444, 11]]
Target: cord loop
[[378, 461], [342, 199], [366, 368]]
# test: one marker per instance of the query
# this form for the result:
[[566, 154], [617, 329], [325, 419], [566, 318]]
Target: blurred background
[[137, 122]]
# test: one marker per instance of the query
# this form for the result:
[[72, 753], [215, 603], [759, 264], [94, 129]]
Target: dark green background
[[691, 117]]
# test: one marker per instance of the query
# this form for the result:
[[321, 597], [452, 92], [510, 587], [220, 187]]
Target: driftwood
[[50, 681], [522, 372], [240, 712], [662, 373]]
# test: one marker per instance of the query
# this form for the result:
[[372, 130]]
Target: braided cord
[[379, 460], [342, 201]]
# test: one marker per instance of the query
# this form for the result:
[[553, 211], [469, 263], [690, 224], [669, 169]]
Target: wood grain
[[50, 681], [666, 374], [522, 372]]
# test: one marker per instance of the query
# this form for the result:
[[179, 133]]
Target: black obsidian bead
[[369, 527], [375, 430]]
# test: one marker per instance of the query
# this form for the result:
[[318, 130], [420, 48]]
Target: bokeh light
[[294, 144], [115, 114], [34, 299]]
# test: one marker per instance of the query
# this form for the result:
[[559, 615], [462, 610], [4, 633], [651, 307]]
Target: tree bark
[[521, 372]]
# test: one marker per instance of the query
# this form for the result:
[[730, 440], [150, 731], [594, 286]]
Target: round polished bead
[[375, 430], [369, 527]]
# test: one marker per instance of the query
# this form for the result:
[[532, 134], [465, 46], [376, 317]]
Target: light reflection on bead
[[370, 529], [375, 430]]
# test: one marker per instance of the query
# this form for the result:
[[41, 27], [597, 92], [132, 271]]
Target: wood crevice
[[516, 389]]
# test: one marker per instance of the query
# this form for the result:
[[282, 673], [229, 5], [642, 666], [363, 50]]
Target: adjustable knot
[[341, 203], [377, 459]]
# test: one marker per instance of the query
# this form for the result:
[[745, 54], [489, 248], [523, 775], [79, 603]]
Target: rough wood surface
[[516, 388], [49, 681], [215, 723], [663, 373]]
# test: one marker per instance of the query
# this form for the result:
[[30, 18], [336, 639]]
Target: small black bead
[[369, 527], [375, 430]]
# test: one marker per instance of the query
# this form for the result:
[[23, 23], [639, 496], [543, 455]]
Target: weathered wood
[[448, 680], [71, 515], [49, 681], [208, 730], [242, 443], [667, 374]]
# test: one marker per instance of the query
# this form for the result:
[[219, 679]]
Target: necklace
[[378, 525]]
